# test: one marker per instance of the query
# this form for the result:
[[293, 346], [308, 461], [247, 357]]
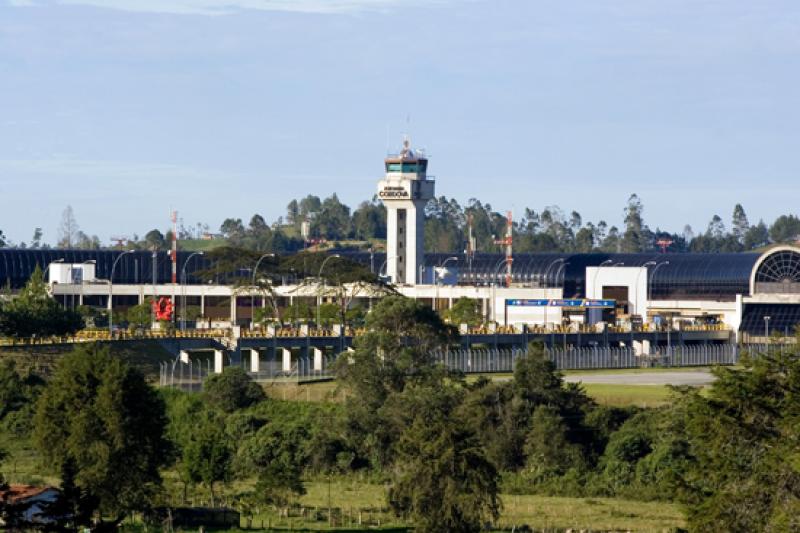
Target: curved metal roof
[[690, 276], [687, 276], [16, 266]]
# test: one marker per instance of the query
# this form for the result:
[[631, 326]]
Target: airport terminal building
[[753, 295]]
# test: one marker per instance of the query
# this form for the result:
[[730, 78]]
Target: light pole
[[255, 270], [496, 271], [80, 288], [547, 270], [44, 274], [111, 292], [438, 273], [594, 281], [319, 276], [653, 275], [647, 264], [183, 289], [766, 327], [383, 265]]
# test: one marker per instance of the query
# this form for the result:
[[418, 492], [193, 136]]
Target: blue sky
[[218, 108]]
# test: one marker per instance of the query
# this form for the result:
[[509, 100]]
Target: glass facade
[[782, 319], [418, 166]]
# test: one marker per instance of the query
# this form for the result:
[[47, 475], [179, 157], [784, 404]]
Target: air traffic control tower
[[404, 191]]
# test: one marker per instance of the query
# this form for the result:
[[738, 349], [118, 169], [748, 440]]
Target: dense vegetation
[[446, 230], [446, 446], [34, 313]]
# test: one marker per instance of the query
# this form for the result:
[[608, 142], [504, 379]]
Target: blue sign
[[593, 304]]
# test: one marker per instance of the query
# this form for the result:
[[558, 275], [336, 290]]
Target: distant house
[[31, 501]]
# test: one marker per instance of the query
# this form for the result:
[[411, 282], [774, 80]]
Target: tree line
[[447, 447], [448, 226]]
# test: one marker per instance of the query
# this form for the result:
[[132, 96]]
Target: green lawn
[[624, 395], [354, 502]]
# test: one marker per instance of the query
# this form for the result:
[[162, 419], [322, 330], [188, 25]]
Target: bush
[[232, 390]]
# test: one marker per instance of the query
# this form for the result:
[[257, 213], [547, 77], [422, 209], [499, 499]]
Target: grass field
[[624, 395], [358, 504], [603, 393]]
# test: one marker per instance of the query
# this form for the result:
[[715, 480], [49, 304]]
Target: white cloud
[[223, 7]]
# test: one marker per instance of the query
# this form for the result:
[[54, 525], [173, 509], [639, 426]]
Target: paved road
[[684, 377]]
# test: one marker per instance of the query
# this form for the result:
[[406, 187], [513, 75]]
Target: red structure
[[508, 242], [163, 308], [664, 244]]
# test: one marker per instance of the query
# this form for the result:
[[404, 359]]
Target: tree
[[233, 229], [786, 228], [757, 236], [739, 223], [548, 451], [464, 311], [2, 239], [716, 228], [637, 236], [206, 452], [99, 416], [154, 240], [742, 474], [232, 390], [68, 230], [277, 453], [395, 351], [36, 241], [443, 479], [34, 313], [140, 316]]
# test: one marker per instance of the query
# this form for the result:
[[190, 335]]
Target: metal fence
[[589, 358], [185, 376], [190, 376]]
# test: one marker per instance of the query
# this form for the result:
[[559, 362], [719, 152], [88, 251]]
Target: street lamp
[[255, 270], [653, 275], [183, 289], [44, 274], [647, 264], [383, 265], [438, 273], [547, 270], [319, 276], [495, 273], [80, 287], [596, 272], [766, 327], [111, 292]]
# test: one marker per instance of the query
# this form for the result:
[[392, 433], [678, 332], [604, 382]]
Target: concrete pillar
[[184, 356], [233, 310], [203, 305], [219, 361], [317, 354], [286, 355], [255, 361]]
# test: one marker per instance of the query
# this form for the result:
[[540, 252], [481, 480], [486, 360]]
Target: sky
[[125, 109]]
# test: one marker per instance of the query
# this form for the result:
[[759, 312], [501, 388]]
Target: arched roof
[[16, 266], [687, 276], [690, 276], [777, 266]]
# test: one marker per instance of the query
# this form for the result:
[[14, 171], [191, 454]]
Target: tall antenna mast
[[174, 252], [508, 242]]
